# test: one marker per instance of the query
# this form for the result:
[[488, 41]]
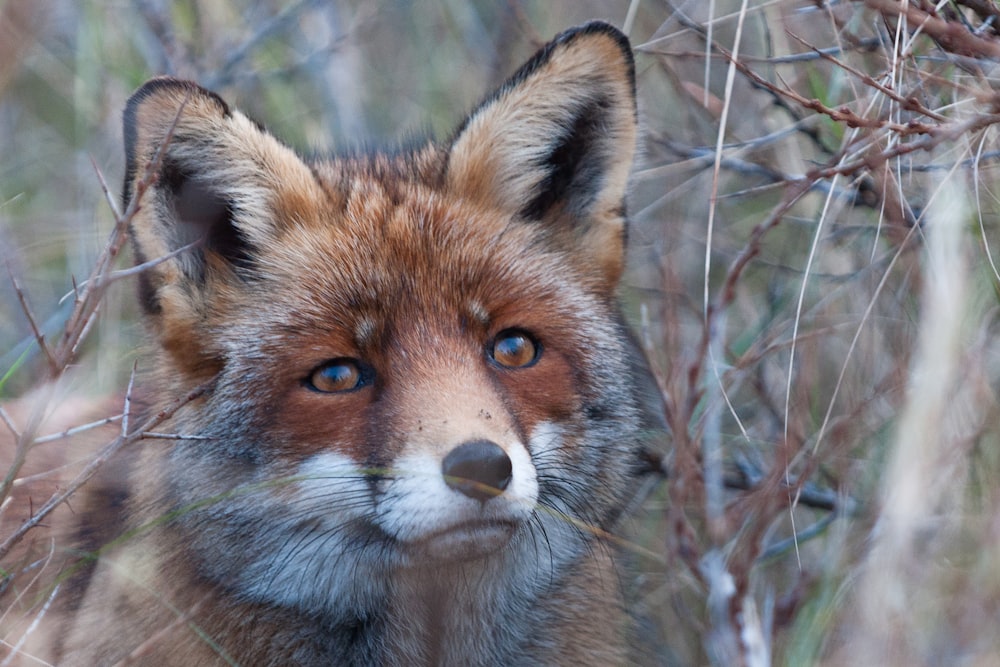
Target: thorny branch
[[124, 438], [934, 134], [902, 118], [22, 299], [951, 36], [86, 303]]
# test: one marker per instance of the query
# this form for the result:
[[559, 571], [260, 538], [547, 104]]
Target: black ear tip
[[167, 87], [593, 28], [601, 28], [167, 84], [597, 28]]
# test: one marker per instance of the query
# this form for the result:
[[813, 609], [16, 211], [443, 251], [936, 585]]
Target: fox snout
[[466, 502], [479, 469]]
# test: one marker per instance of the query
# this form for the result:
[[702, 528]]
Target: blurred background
[[812, 271]]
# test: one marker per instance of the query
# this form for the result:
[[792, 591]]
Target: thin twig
[[9, 423], [108, 197], [147, 645], [276, 24], [120, 274], [80, 321], [22, 298], [952, 36], [93, 289], [75, 430], [155, 435], [906, 103], [16, 648], [99, 460]]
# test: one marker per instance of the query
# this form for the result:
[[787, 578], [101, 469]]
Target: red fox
[[420, 419]]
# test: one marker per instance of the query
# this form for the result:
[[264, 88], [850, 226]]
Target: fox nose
[[480, 469]]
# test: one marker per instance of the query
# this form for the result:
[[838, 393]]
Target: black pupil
[[339, 374], [513, 350], [512, 346]]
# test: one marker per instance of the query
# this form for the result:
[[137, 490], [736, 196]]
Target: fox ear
[[220, 184], [555, 143]]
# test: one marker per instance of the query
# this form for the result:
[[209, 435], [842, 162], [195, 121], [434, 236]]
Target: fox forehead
[[365, 249]]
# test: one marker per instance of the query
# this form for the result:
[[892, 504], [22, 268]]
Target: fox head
[[413, 360]]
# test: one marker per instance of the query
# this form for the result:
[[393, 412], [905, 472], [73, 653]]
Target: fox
[[413, 422]]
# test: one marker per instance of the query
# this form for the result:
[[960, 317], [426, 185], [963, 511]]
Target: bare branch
[[9, 423], [93, 289], [108, 197], [15, 650], [76, 430], [952, 36], [91, 468], [911, 103], [35, 329], [120, 274]]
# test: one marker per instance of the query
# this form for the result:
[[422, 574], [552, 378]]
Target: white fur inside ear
[[580, 100], [555, 146]]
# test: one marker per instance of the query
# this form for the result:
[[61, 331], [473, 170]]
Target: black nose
[[478, 469]]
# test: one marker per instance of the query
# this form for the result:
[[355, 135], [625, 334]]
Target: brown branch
[[950, 35], [108, 197], [985, 10], [115, 276], [75, 430], [9, 423], [80, 321], [930, 136], [931, 140], [93, 289], [99, 460], [22, 298], [843, 114], [24, 439], [907, 103]]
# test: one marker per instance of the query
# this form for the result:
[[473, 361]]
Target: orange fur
[[371, 478]]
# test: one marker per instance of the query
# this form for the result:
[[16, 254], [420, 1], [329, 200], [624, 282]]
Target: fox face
[[417, 392]]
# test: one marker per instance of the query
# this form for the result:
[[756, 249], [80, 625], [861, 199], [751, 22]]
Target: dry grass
[[814, 273]]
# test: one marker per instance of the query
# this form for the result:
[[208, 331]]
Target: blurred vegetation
[[814, 239]]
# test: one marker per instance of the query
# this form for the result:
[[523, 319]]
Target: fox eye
[[513, 348], [338, 375]]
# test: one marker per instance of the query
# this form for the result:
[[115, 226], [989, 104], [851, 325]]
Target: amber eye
[[513, 348], [338, 375]]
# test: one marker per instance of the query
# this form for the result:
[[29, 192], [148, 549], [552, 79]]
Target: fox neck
[[473, 613], [445, 617], [445, 613]]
